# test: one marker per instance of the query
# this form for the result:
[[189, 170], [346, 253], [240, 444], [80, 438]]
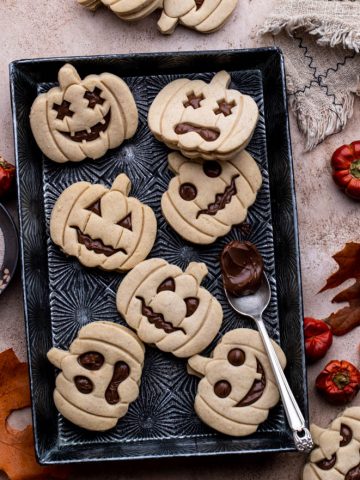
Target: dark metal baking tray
[[60, 295]]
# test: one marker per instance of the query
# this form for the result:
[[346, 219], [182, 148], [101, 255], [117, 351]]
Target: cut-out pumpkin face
[[237, 387], [336, 455], [205, 16], [129, 10], [205, 199], [100, 375], [203, 120], [103, 228], [168, 308], [83, 118]]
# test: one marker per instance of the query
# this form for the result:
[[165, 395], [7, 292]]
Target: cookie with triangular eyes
[[203, 120], [206, 198], [336, 455], [237, 386], [83, 118], [168, 308], [103, 227]]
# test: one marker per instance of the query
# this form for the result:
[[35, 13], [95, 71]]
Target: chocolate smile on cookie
[[97, 245], [256, 390], [206, 133], [157, 319], [221, 199], [93, 134]]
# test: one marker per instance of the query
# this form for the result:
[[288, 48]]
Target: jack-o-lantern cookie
[[83, 118], [168, 308], [103, 228], [100, 375], [205, 16], [205, 199], [237, 387], [129, 10], [203, 120], [336, 455]]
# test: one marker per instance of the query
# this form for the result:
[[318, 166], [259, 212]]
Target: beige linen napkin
[[321, 43]]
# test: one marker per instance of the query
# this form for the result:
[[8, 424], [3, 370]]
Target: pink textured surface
[[327, 219]]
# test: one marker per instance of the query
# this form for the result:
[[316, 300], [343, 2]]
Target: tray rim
[[34, 62]]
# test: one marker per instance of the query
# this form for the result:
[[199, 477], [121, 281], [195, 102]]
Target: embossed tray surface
[[61, 296]]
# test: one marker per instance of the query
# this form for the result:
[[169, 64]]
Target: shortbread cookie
[[168, 308], [336, 455], [129, 10], [205, 199], [205, 16], [203, 120], [237, 387], [83, 118], [101, 227], [100, 375]]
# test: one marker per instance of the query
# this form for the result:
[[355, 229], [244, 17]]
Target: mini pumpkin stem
[[341, 379], [68, 75], [355, 169]]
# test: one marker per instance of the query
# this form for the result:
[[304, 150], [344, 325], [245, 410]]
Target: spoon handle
[[302, 436]]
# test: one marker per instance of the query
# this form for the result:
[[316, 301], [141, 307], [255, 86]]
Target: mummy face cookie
[[129, 10], [168, 308], [237, 386], [103, 228], [205, 16], [83, 118], [100, 375], [336, 455], [205, 199], [203, 120]]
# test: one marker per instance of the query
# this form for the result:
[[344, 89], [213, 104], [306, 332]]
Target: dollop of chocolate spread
[[222, 388], [94, 133], [83, 384], [157, 319], [256, 390], [121, 372], [91, 360], [353, 474], [221, 199], [346, 434], [242, 267], [206, 133], [327, 464], [97, 245]]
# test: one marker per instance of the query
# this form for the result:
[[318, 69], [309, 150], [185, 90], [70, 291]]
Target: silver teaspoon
[[253, 306]]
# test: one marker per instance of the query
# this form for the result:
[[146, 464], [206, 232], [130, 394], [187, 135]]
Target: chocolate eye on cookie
[[83, 118]]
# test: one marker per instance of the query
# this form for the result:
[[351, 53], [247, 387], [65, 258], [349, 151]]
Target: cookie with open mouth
[[206, 198], [103, 228], [203, 120], [83, 118], [168, 308], [237, 386]]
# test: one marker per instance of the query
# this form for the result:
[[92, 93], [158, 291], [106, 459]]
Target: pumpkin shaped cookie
[[83, 118], [205, 16], [203, 120], [168, 308], [103, 228], [237, 387], [100, 375], [205, 199], [129, 10], [336, 455]]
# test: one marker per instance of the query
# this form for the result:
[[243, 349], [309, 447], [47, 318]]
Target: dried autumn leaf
[[17, 454], [348, 317]]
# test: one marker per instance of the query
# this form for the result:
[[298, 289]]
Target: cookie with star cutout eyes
[[83, 118], [128, 10], [100, 375], [237, 386], [203, 120], [336, 455], [103, 227], [206, 198], [168, 308]]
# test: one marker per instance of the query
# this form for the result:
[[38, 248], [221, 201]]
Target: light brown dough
[[83, 118], [100, 375], [103, 228], [247, 385], [168, 308]]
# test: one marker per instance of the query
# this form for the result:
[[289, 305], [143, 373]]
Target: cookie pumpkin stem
[[175, 161], [68, 76], [167, 24], [90, 4], [197, 365], [222, 78], [56, 356], [197, 270], [122, 184]]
